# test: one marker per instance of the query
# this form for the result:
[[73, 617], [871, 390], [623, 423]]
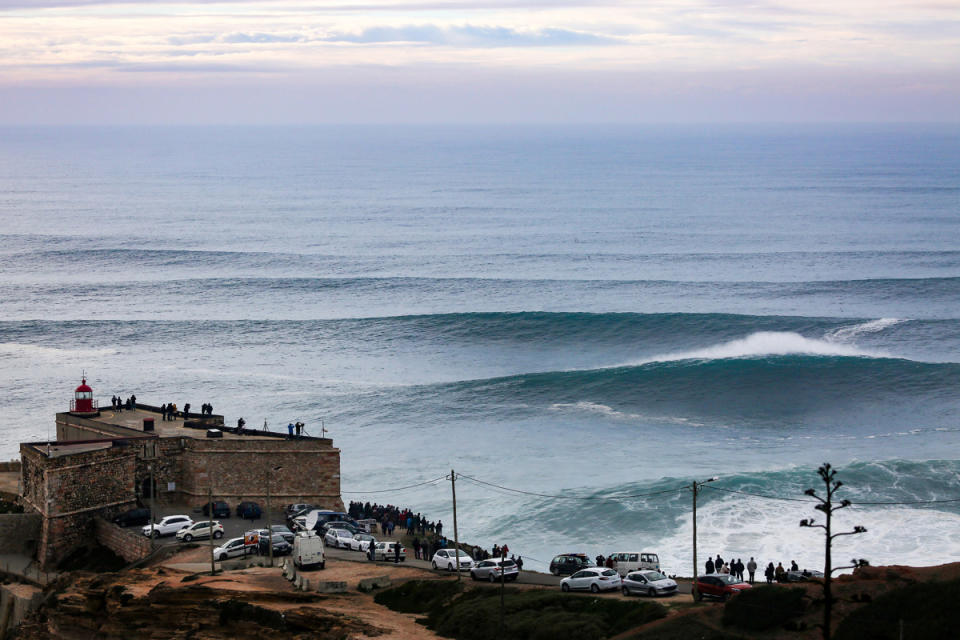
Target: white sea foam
[[769, 531], [765, 343], [594, 407], [847, 334], [17, 350]]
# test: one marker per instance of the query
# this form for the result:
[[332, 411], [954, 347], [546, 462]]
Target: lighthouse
[[83, 400]]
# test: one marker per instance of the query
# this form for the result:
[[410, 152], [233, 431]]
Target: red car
[[719, 585]]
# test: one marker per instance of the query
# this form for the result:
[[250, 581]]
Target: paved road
[[235, 527]]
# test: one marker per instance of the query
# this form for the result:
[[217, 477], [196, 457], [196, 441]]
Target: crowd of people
[[119, 404], [736, 569], [428, 537]]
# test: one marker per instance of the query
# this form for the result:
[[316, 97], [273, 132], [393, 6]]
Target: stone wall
[[239, 470], [20, 532], [129, 544], [69, 491]]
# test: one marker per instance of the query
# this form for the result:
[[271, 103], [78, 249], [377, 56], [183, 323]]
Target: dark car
[[293, 510], [249, 511], [280, 546], [569, 563], [719, 585], [133, 517], [220, 509], [279, 529]]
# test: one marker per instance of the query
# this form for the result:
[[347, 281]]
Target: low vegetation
[[764, 607], [926, 611], [474, 614]]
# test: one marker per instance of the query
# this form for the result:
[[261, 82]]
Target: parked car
[[308, 550], [719, 585], [133, 517], [339, 524], [220, 509], [249, 511], [338, 538], [233, 548], [296, 509], [492, 568], [627, 561], [570, 563], [283, 531], [651, 583], [361, 541], [280, 546], [168, 526], [200, 530], [447, 559], [595, 579], [386, 551], [804, 576]]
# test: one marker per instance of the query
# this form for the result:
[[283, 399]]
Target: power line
[[758, 495], [409, 486], [562, 497], [853, 503]]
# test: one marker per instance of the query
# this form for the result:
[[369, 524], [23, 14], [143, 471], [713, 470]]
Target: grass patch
[[929, 612], [764, 608], [418, 596], [528, 615]]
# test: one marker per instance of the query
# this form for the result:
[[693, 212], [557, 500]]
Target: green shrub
[[764, 607], [418, 596], [929, 612], [528, 615]]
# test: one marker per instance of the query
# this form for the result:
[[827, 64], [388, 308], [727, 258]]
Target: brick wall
[[69, 491], [20, 532], [129, 544], [239, 470]]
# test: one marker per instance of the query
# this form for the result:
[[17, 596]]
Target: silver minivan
[[627, 561]]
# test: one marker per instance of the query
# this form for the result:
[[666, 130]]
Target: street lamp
[[695, 487], [269, 518]]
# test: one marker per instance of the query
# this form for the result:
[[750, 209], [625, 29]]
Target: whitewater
[[598, 315]]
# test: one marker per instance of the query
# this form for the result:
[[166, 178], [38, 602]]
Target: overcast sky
[[297, 61]]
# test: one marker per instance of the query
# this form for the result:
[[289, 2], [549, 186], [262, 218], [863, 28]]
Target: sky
[[476, 61]]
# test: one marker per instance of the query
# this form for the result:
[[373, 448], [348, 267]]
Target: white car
[[201, 530], [595, 579], [650, 583], [338, 538], [447, 559], [388, 551], [361, 541], [232, 548], [168, 526]]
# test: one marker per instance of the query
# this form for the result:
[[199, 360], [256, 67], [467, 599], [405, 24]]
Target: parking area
[[233, 527]]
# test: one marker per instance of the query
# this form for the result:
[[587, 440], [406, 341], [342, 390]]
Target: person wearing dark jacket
[[769, 573], [709, 565]]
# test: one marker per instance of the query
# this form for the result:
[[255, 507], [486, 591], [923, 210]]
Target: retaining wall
[[129, 544], [20, 532]]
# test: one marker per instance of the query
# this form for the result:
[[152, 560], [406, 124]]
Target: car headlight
[[735, 590]]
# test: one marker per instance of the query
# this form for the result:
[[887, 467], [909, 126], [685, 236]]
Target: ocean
[[580, 321]]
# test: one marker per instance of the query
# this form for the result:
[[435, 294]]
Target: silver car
[[491, 570], [651, 583]]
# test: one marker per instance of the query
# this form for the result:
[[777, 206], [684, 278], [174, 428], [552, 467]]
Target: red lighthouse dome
[[83, 399]]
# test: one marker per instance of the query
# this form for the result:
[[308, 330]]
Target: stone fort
[[105, 461]]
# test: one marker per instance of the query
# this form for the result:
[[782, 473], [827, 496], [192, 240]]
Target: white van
[[308, 550], [628, 561]]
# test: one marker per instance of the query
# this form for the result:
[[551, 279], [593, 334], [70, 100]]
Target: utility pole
[[153, 512], [693, 588], [269, 518], [503, 557], [695, 487], [213, 564], [456, 536]]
